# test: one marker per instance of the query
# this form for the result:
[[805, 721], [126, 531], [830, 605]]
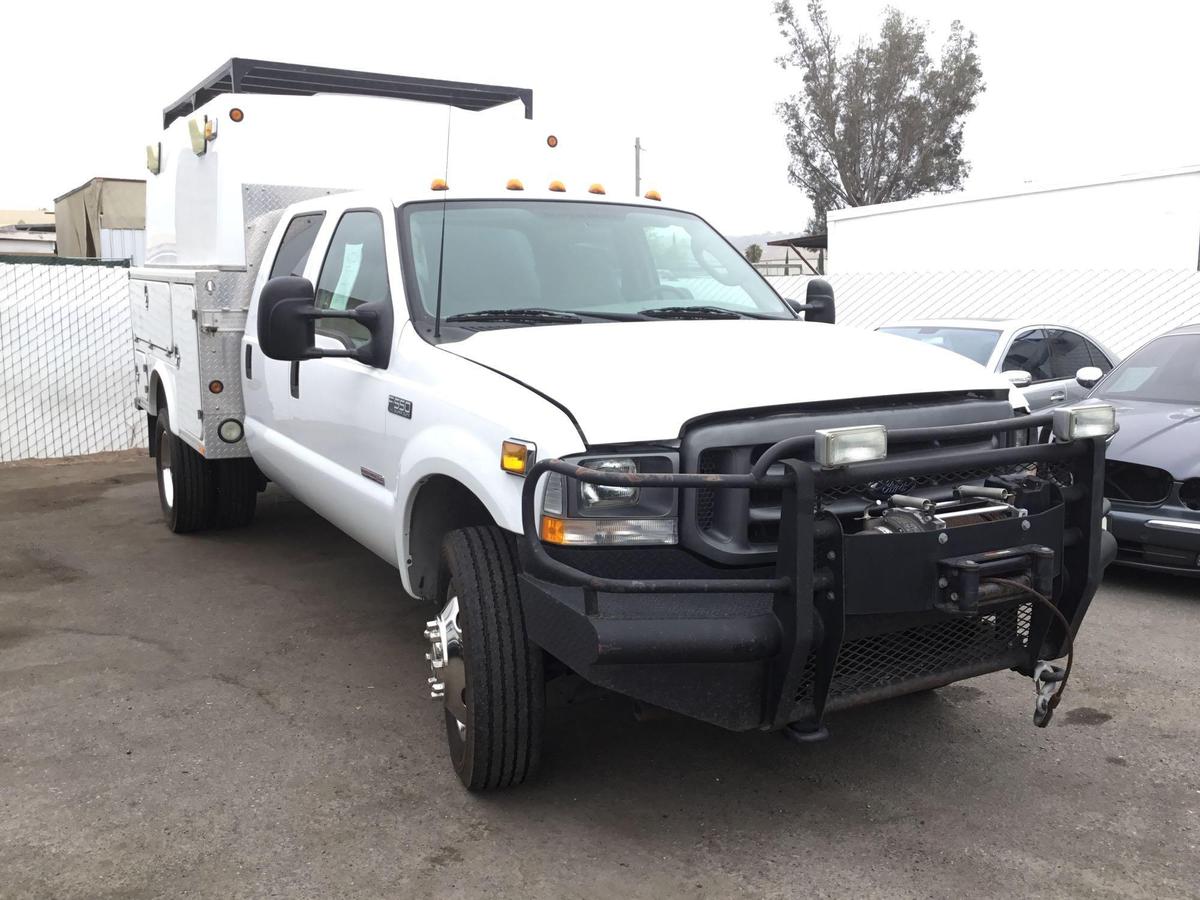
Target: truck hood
[[1162, 435], [643, 381]]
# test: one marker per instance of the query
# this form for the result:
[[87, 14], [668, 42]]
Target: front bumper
[[842, 618], [1165, 537]]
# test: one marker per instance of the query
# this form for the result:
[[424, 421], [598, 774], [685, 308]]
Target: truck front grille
[[881, 664]]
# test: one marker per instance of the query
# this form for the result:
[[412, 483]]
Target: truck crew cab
[[582, 427]]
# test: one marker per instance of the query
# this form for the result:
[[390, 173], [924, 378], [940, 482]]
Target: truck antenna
[[437, 313]]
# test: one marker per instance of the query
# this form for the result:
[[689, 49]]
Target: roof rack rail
[[258, 76]]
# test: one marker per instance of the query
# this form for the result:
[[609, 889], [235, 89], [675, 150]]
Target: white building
[[1116, 257]]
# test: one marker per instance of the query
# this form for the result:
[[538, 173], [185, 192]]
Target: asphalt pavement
[[245, 714]]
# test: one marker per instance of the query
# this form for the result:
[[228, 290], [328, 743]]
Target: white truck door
[[337, 408]]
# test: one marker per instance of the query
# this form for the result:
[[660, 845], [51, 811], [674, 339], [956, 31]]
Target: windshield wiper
[[691, 312], [519, 314]]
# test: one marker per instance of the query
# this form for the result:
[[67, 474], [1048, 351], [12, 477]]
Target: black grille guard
[[801, 477], [808, 581]]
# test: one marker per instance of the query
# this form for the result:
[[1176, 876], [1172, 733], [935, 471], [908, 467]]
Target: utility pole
[[637, 166]]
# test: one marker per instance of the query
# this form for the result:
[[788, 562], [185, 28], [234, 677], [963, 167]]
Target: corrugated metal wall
[[1123, 308], [66, 361]]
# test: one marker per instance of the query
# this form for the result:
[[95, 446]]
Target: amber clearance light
[[558, 187], [596, 189], [439, 184], [236, 114]]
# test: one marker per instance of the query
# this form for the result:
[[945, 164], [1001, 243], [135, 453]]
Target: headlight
[[842, 446], [605, 496], [1085, 421], [579, 513]]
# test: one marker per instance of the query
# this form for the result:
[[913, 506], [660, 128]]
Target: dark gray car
[[1153, 469]]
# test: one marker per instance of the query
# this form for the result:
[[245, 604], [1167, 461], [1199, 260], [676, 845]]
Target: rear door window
[[1030, 352], [297, 243]]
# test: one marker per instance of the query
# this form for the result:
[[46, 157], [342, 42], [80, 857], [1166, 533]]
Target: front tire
[[494, 720], [186, 490]]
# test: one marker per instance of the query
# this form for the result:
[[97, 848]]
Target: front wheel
[[485, 668]]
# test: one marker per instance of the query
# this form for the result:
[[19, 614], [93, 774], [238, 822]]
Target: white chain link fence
[[66, 361]]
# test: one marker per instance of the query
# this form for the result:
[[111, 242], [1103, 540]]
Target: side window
[[297, 243], [1099, 360], [354, 272], [1030, 351], [1068, 353]]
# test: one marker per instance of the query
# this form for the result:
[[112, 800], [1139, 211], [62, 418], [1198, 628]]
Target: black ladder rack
[[258, 76]]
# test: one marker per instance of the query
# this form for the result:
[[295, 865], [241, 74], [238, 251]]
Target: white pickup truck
[[582, 427]]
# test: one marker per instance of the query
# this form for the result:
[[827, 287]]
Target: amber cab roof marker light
[[653, 195], [439, 184], [558, 187], [514, 184], [596, 189]]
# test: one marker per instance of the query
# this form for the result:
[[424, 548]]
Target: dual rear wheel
[[196, 493]]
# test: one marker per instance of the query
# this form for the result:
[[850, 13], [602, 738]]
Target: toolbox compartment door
[[150, 311]]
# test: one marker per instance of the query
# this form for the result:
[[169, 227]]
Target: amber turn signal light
[[516, 457]]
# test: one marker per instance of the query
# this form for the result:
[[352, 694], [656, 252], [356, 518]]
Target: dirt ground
[[245, 714]]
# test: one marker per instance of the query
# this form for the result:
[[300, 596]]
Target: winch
[[972, 504]]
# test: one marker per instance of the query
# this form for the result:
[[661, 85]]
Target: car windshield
[[1167, 370], [974, 343], [594, 261]]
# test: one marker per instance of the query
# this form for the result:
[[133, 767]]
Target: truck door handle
[[249, 361], [296, 379], [1057, 396]]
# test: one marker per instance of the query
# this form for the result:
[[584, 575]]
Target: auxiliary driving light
[[516, 457], [842, 446], [230, 431], [1085, 421]]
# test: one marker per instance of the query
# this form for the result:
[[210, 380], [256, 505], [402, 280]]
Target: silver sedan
[[1051, 364]]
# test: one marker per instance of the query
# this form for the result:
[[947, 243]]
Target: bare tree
[[882, 122]]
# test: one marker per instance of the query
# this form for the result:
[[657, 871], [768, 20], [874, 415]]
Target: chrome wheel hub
[[448, 673]]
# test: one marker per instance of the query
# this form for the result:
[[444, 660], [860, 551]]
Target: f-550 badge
[[398, 406]]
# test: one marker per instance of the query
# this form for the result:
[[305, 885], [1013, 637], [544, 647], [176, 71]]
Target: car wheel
[[485, 669]]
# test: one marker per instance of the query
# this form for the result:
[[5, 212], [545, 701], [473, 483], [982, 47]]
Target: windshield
[[974, 343], [586, 259], [1167, 370]]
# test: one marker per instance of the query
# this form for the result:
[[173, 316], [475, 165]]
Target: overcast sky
[[1074, 89]]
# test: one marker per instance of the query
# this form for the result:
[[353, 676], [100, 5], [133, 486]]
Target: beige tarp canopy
[[100, 203]]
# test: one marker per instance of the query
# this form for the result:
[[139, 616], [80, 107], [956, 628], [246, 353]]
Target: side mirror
[[818, 302], [1017, 377], [1088, 376], [287, 316]]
